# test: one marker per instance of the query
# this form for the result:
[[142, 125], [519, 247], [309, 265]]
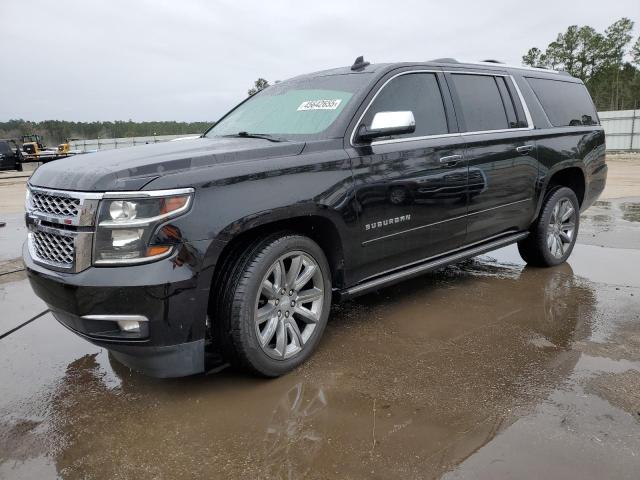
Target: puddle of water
[[409, 381], [571, 435], [12, 236], [34, 359], [40, 467], [630, 211], [577, 432], [589, 364], [615, 266], [627, 209], [18, 302], [587, 426], [614, 223]]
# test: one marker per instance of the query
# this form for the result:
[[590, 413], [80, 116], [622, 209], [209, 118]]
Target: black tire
[[534, 249], [236, 291]]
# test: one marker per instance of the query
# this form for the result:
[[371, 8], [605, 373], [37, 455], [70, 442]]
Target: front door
[[411, 190]]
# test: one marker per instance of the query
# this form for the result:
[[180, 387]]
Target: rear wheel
[[554, 233], [275, 304]]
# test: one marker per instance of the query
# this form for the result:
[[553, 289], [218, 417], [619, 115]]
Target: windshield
[[296, 109]]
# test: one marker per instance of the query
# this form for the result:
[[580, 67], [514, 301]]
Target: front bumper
[[171, 294]]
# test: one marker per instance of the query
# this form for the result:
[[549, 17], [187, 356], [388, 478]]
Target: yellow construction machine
[[32, 144], [34, 150]]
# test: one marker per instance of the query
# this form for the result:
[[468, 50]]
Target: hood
[[133, 167]]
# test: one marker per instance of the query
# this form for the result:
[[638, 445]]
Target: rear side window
[[483, 107], [507, 101], [566, 103], [419, 93]]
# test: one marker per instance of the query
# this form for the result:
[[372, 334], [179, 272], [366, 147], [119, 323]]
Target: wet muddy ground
[[487, 369]]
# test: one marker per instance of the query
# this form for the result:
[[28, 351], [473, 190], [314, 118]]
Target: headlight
[[126, 226], [123, 210]]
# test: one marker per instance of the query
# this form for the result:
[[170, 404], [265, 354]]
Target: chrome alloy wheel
[[561, 228], [289, 305]]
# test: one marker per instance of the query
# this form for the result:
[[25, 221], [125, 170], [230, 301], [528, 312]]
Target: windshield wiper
[[264, 136]]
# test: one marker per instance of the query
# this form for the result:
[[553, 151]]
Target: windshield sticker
[[319, 105]]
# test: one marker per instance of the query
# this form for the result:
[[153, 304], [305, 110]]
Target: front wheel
[[275, 304], [554, 233]]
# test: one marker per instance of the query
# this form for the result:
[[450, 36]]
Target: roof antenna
[[491, 60], [359, 64]]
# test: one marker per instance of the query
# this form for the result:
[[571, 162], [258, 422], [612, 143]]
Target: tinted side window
[[5, 149], [566, 103], [507, 102], [418, 92], [482, 105]]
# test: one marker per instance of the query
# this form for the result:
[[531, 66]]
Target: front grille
[[52, 248], [61, 227], [54, 204]]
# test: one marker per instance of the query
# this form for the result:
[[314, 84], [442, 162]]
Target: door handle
[[524, 149], [451, 159]]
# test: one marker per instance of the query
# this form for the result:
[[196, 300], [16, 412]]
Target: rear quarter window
[[565, 103]]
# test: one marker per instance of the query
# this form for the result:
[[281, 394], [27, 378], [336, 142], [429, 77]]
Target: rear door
[[500, 152], [410, 189]]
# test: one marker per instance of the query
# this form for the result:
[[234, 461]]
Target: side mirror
[[385, 124]]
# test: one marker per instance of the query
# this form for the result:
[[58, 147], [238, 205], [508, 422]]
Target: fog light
[[130, 326]]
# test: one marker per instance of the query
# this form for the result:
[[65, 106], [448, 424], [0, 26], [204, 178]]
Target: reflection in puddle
[[409, 381], [293, 438], [608, 211], [630, 211], [615, 223]]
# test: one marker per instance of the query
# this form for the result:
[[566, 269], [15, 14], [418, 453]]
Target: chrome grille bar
[[61, 227], [60, 249], [55, 205], [57, 249], [64, 207]]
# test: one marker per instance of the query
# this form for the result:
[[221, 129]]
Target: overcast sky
[[191, 60]]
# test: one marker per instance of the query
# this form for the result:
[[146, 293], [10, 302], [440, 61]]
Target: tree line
[[608, 62], [58, 131]]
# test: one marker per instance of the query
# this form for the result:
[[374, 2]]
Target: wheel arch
[[571, 175], [320, 228]]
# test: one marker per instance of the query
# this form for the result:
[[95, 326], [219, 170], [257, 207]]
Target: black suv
[[10, 155], [318, 188]]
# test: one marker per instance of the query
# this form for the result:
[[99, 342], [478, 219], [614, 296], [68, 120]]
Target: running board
[[430, 264]]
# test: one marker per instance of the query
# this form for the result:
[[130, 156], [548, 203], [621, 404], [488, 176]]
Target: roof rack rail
[[445, 60], [496, 63]]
